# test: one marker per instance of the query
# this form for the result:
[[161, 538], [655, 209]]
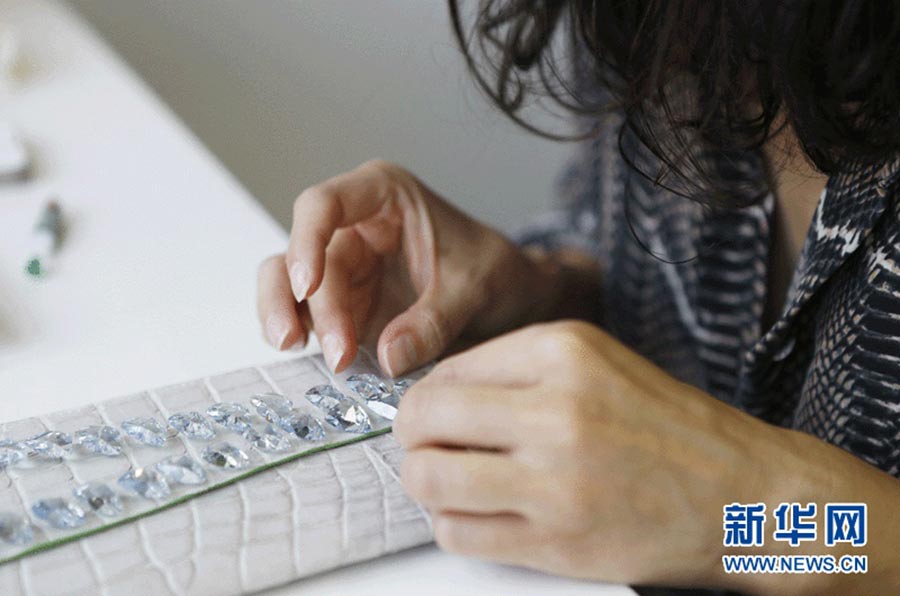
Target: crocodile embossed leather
[[240, 465]]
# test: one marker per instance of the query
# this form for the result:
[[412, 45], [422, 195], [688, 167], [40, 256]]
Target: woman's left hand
[[556, 447]]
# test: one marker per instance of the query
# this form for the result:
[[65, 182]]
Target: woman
[[712, 317]]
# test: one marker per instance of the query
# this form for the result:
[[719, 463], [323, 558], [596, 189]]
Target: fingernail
[[400, 355], [300, 280], [277, 330], [333, 348]]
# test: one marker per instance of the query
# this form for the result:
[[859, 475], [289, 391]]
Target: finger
[[276, 306], [423, 332], [481, 417], [331, 308], [322, 209], [504, 538], [516, 359], [466, 481], [382, 232]]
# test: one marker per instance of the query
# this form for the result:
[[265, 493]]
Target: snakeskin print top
[[690, 295]]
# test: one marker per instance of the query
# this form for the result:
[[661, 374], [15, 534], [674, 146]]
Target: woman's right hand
[[374, 253]]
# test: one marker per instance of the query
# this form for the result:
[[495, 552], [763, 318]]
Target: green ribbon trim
[[50, 544]]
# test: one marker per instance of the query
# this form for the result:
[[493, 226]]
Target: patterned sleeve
[[578, 230], [584, 185]]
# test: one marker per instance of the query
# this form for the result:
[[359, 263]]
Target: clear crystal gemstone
[[368, 386], [148, 431], [386, 408], [52, 444], [225, 455], [145, 482], [340, 411], [15, 529], [269, 439], [181, 469], [99, 498], [59, 513], [272, 406], [100, 440], [11, 453], [232, 416], [303, 426], [193, 425], [381, 398], [401, 385]]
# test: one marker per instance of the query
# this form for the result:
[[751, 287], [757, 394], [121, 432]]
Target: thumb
[[422, 332]]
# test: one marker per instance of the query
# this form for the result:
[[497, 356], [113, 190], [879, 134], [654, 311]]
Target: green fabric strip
[[50, 544]]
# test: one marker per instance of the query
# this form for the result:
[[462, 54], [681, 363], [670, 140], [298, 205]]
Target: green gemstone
[[34, 268]]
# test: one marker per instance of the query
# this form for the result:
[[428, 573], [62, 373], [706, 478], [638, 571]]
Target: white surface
[[288, 92], [425, 572], [156, 280]]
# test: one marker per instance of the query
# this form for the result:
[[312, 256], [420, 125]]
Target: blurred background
[[289, 92]]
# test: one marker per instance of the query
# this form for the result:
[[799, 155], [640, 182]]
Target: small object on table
[[9, 53], [15, 163], [48, 235]]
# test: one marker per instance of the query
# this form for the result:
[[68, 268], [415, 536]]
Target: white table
[[156, 280]]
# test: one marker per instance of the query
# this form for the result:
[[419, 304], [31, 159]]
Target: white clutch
[[302, 501]]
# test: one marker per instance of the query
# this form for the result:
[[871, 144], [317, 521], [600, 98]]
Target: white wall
[[288, 92]]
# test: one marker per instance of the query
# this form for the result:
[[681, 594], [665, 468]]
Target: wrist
[[793, 467], [564, 285], [544, 288], [518, 288]]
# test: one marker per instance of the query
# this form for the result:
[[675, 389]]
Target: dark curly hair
[[700, 77]]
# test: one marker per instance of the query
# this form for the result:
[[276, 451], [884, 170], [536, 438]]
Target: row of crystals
[[155, 482], [343, 413]]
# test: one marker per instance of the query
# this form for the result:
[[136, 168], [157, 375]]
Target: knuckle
[[419, 478], [311, 196], [447, 371], [391, 173], [269, 264], [563, 341], [399, 426], [447, 534], [379, 165], [412, 408], [407, 426]]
